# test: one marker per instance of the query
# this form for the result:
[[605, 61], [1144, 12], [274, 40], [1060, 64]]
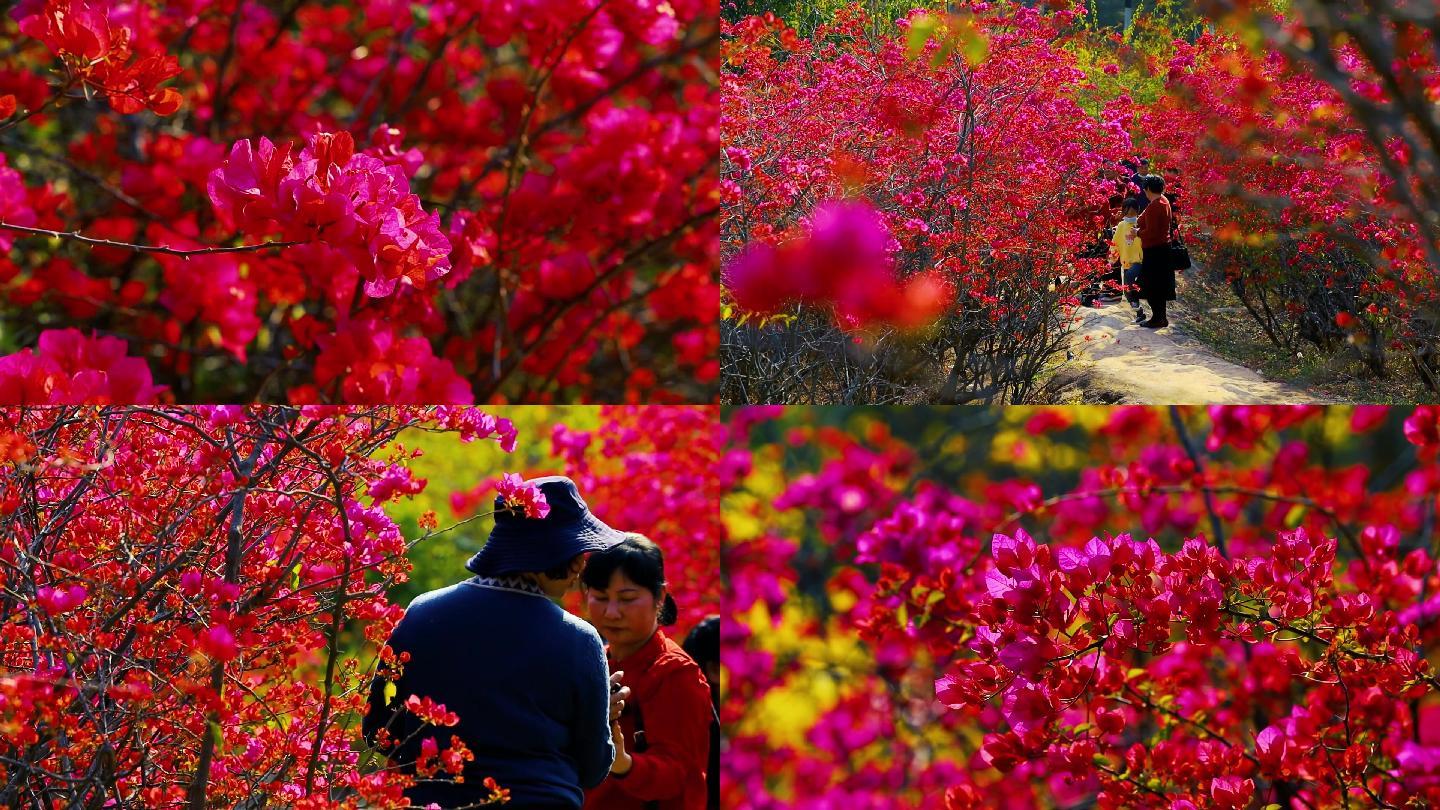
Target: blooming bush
[[1135, 607], [369, 202], [1292, 204], [184, 596], [647, 469], [988, 178]]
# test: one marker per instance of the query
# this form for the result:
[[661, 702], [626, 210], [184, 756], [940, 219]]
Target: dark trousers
[[1157, 279]]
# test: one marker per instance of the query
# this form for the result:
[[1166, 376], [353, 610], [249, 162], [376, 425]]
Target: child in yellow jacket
[[1125, 246]]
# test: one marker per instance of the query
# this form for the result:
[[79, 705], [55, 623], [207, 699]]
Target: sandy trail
[[1116, 360]]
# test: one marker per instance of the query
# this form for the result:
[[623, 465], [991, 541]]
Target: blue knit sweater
[[529, 681]]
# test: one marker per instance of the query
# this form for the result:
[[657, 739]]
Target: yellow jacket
[[1128, 252]]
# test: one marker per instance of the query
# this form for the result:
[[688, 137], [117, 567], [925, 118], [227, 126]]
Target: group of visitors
[[1142, 248], [604, 712]]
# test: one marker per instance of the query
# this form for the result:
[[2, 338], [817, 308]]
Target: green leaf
[[1294, 516], [1133, 673], [975, 44], [942, 54], [935, 596], [921, 29], [903, 614], [389, 692], [421, 14]]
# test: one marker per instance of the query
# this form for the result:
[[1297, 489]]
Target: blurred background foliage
[[833, 676], [450, 467]]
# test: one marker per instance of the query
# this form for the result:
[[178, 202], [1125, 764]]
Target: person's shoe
[[1154, 324], [1140, 316]]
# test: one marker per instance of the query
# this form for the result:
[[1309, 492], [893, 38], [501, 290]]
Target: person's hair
[[560, 571], [703, 641], [1155, 183], [643, 564], [1131, 205]]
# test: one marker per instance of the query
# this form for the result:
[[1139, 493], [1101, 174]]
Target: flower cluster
[[71, 368], [843, 263], [1209, 608], [104, 49], [357, 203], [517, 494]]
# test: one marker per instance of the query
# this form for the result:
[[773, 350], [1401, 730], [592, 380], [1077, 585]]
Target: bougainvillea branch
[[169, 251], [459, 192]]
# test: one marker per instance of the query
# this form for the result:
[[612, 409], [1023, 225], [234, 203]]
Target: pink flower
[[60, 600], [14, 204], [1026, 656], [1231, 792], [1092, 564], [1421, 427], [68, 368], [394, 481], [359, 203], [218, 643], [527, 497], [1368, 417], [375, 365], [1012, 553], [844, 264], [1026, 706], [1270, 749], [566, 276]]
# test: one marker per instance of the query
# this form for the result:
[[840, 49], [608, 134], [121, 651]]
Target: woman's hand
[[623, 761], [618, 693]]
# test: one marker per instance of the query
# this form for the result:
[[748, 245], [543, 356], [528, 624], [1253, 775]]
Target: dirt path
[[1114, 360]]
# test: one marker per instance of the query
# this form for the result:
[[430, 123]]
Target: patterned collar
[[510, 582]]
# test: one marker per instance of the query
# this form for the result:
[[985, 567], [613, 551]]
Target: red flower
[[98, 52]]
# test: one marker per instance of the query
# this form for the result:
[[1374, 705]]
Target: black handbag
[[1179, 254]]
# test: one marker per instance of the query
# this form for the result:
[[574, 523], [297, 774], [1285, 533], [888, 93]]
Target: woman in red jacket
[[662, 738], [1157, 273]]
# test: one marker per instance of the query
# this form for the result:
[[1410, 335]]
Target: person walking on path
[[528, 679], [1157, 273]]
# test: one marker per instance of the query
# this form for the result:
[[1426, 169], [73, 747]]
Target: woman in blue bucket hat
[[528, 680]]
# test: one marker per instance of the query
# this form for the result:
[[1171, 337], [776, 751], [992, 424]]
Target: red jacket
[[1154, 223], [669, 692]]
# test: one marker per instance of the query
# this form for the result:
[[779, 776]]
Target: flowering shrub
[[368, 202], [1136, 607], [1292, 205], [184, 594], [647, 469], [990, 180]]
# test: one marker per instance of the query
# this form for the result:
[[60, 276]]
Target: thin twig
[[91, 240]]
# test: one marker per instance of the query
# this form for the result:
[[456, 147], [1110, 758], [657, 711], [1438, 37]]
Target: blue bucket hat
[[520, 543]]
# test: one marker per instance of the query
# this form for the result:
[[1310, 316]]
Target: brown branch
[[169, 251]]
